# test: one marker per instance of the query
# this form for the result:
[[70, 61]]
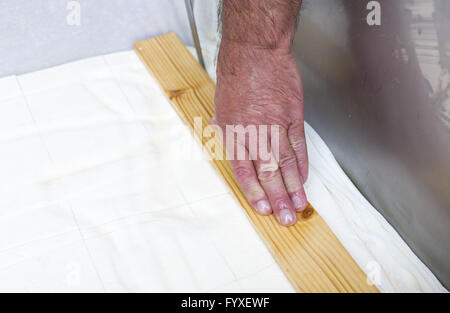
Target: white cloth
[[97, 194]]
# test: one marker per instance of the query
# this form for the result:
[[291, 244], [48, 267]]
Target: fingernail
[[286, 217], [298, 201], [263, 207]]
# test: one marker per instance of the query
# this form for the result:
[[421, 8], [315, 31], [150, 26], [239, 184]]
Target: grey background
[[34, 34]]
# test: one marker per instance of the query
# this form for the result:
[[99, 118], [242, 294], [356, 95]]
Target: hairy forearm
[[261, 23]]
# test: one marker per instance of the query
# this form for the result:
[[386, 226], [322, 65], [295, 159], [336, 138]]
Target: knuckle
[[281, 203], [267, 175], [287, 160], [298, 144], [243, 173]]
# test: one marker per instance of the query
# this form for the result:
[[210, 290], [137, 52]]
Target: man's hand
[[259, 84]]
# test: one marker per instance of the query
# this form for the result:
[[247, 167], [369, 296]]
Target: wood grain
[[309, 254]]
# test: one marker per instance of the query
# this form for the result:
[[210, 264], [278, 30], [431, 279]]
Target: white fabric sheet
[[95, 195]]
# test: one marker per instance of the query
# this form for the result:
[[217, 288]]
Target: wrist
[[280, 43], [236, 58], [227, 44]]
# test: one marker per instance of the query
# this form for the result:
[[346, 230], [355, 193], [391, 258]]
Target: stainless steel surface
[[198, 48], [380, 97]]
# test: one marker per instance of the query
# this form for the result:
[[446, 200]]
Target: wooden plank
[[309, 254]]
